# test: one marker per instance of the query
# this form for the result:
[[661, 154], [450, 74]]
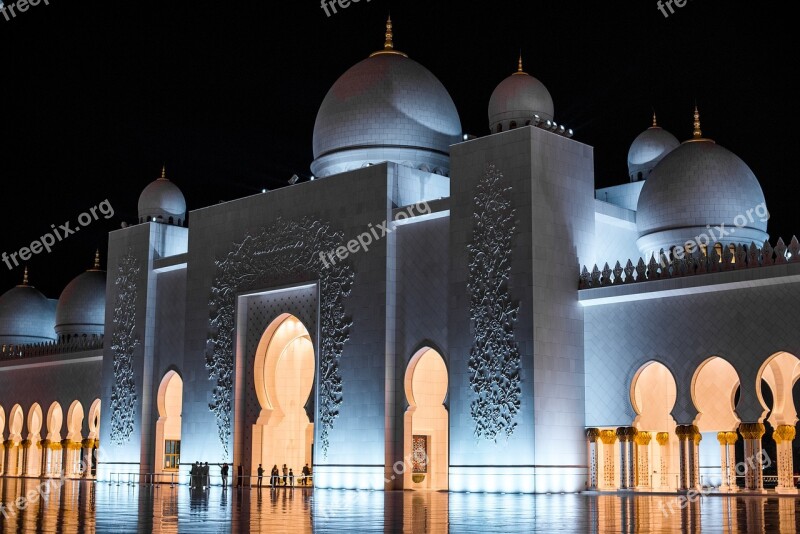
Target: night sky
[[96, 95]]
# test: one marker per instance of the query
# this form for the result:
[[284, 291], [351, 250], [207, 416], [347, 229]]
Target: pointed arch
[[713, 391]]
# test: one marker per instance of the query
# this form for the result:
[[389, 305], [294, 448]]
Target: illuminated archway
[[72, 468], [14, 444], [92, 439], [653, 395], [780, 372], [284, 379], [33, 460], [52, 450], [168, 426], [426, 432], [714, 387], [2, 441]]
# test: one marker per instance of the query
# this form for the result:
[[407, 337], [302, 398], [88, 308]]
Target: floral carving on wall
[[494, 361], [284, 253], [124, 341]]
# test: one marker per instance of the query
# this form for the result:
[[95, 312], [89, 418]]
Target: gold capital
[[662, 438], [751, 430], [608, 437], [592, 434]]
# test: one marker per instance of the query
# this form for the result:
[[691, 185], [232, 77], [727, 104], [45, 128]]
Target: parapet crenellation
[[16, 352], [732, 257]]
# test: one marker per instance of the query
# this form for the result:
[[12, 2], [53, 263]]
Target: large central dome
[[386, 108]]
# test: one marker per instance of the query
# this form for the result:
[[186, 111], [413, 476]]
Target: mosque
[[432, 310]]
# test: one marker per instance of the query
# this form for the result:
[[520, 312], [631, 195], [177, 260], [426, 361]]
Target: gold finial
[[698, 133], [655, 122], [163, 172], [519, 65], [388, 45], [96, 260], [25, 277]]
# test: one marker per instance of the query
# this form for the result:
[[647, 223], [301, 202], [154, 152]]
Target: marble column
[[663, 441], [783, 436], [642, 441], [625, 435], [592, 434], [608, 480], [753, 455], [732, 438]]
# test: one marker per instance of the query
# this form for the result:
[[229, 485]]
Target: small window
[[527, 123], [170, 220], [639, 177], [512, 125], [718, 250], [499, 128], [172, 454]]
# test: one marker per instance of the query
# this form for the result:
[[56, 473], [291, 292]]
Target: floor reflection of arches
[[72, 462], [283, 379], [426, 422], [33, 449]]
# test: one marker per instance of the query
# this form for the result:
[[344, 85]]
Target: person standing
[[260, 474], [285, 474], [274, 475], [206, 478], [192, 476], [291, 478], [224, 473], [306, 472]]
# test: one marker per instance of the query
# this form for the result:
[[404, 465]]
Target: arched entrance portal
[[714, 388], [653, 395], [168, 426], [33, 455], [284, 379], [426, 422]]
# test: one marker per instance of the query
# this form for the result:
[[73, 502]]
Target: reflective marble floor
[[89, 507]]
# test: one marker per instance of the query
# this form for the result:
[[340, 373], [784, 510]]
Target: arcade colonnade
[[657, 453], [45, 444]]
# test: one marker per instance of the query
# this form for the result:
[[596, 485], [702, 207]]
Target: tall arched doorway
[[653, 395], [72, 457], [168, 426], [92, 439], [714, 388], [2, 441], [284, 379], [33, 456], [14, 443], [780, 373], [425, 423], [52, 445]]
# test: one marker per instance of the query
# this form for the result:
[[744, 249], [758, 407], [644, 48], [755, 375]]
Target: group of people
[[288, 476], [200, 478]]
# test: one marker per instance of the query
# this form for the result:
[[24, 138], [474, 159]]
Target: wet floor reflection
[[88, 507]]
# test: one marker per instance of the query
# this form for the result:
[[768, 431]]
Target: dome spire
[[655, 121], [519, 65], [96, 260], [388, 45], [25, 276], [697, 133], [163, 172]]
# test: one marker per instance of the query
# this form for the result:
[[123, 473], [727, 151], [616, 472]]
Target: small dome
[[517, 99], [162, 199], [26, 316], [81, 307], [700, 184], [648, 149], [385, 108]]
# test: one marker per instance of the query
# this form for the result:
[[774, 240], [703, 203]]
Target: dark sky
[[96, 95]]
